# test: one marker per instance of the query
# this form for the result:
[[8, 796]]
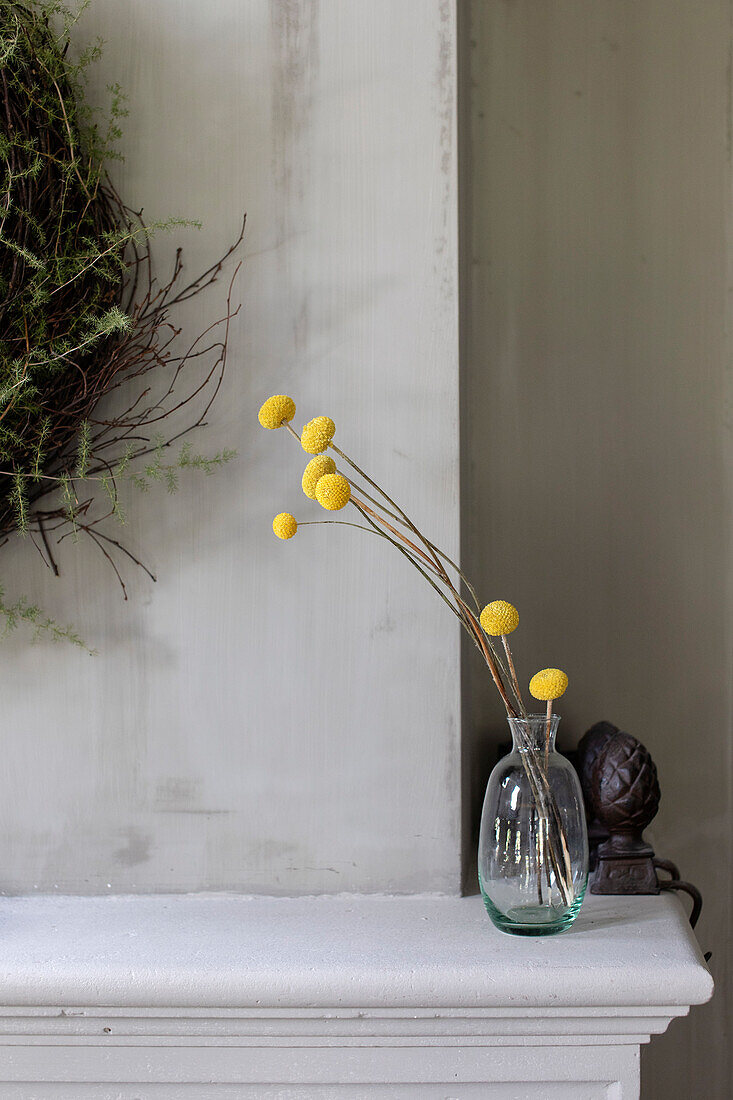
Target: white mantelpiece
[[332, 998]]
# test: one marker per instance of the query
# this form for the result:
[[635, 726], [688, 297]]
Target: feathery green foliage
[[23, 612], [62, 257], [81, 315]]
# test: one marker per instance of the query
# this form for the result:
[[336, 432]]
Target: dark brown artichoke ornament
[[621, 789], [625, 793], [590, 747]]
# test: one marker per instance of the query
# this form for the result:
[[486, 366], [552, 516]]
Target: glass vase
[[533, 845]]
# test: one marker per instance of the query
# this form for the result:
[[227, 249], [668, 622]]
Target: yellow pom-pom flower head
[[499, 618], [548, 684], [333, 491], [316, 468], [317, 434], [284, 525], [276, 411]]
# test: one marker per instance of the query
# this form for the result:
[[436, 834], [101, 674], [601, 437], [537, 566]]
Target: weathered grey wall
[[275, 717], [598, 475]]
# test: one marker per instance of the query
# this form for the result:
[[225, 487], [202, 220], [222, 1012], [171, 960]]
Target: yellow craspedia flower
[[316, 468], [276, 411], [317, 434], [333, 491], [284, 525], [499, 618], [551, 683]]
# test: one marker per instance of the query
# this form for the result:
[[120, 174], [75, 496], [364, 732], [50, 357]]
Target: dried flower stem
[[397, 508], [409, 557], [479, 640], [513, 674], [465, 614], [548, 722], [398, 519]]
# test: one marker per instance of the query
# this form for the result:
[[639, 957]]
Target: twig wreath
[[82, 315]]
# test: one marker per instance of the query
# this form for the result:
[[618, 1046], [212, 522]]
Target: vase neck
[[533, 732]]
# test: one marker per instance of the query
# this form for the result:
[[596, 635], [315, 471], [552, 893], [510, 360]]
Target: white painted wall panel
[[269, 717]]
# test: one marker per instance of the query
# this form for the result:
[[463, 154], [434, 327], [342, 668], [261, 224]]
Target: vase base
[[533, 920]]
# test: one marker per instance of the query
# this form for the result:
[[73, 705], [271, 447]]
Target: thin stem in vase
[[513, 675], [548, 726]]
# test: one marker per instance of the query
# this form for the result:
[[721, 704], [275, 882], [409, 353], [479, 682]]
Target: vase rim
[[534, 731], [532, 718]]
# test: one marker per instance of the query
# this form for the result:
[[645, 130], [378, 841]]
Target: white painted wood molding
[[333, 998]]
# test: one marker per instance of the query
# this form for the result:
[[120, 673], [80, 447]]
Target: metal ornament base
[[625, 866]]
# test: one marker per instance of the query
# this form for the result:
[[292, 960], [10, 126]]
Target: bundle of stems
[[381, 515]]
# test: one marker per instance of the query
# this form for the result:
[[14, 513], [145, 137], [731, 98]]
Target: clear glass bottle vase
[[533, 845]]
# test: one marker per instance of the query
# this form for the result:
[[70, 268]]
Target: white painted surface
[[269, 717], [598, 476], [282, 1071], [380, 951], [333, 997]]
